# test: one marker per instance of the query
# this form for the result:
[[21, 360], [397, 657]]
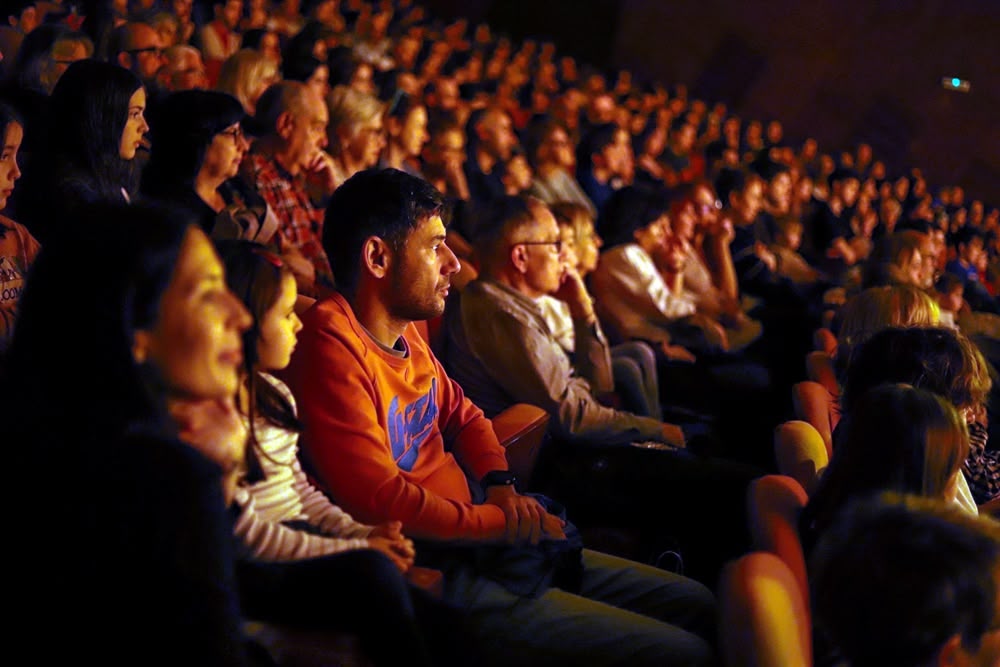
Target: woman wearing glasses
[[198, 146]]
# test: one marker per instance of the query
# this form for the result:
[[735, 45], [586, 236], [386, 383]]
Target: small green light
[[956, 82]]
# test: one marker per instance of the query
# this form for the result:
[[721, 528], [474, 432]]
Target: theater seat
[[800, 452], [774, 505], [812, 403], [764, 618], [521, 428], [819, 368], [825, 341]]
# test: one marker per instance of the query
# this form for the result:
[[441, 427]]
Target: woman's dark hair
[[71, 376], [629, 210], [936, 359], [255, 275], [343, 65], [33, 54], [400, 105], [895, 579], [253, 37], [90, 107], [182, 129], [897, 438], [300, 68], [8, 115]]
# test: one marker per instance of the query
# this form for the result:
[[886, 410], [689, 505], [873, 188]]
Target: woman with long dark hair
[[96, 128], [198, 145], [116, 405]]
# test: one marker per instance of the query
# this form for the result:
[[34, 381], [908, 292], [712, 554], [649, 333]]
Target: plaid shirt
[[300, 222]]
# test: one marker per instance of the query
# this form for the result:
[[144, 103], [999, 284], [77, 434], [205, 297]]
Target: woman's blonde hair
[[576, 217], [349, 110], [878, 308], [242, 74]]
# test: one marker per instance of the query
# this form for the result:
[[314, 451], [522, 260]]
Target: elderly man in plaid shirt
[[294, 175]]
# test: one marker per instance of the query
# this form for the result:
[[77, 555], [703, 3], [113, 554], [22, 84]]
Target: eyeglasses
[[155, 50], [557, 244], [235, 133]]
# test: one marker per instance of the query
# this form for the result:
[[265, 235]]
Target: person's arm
[[272, 541], [531, 368], [349, 447], [592, 355], [723, 270]]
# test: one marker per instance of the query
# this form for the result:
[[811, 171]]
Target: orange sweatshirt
[[389, 436]]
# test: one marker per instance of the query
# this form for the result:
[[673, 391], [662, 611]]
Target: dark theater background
[[844, 71]]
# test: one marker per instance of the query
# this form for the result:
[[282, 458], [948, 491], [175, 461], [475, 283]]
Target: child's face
[[952, 301]]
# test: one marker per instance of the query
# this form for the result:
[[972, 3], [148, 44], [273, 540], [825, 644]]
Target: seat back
[[800, 452], [825, 341], [774, 505], [815, 405], [764, 618], [819, 368]]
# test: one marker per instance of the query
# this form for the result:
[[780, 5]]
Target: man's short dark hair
[[386, 203], [767, 168], [841, 174], [595, 141], [966, 235], [495, 221], [729, 181], [896, 578]]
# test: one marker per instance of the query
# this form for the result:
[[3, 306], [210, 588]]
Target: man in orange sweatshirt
[[394, 439]]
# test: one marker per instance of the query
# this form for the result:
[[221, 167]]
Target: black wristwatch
[[498, 478]]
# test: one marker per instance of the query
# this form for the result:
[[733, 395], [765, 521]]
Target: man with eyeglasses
[[137, 47], [501, 351]]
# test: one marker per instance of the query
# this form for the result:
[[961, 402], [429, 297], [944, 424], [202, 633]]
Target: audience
[[757, 240], [944, 362], [897, 438], [387, 431], [301, 550]]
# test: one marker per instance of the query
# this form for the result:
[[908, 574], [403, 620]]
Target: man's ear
[[124, 59], [285, 124], [519, 257], [376, 257]]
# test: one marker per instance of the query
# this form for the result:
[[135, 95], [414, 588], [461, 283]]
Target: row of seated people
[[235, 139], [922, 435], [907, 394]]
